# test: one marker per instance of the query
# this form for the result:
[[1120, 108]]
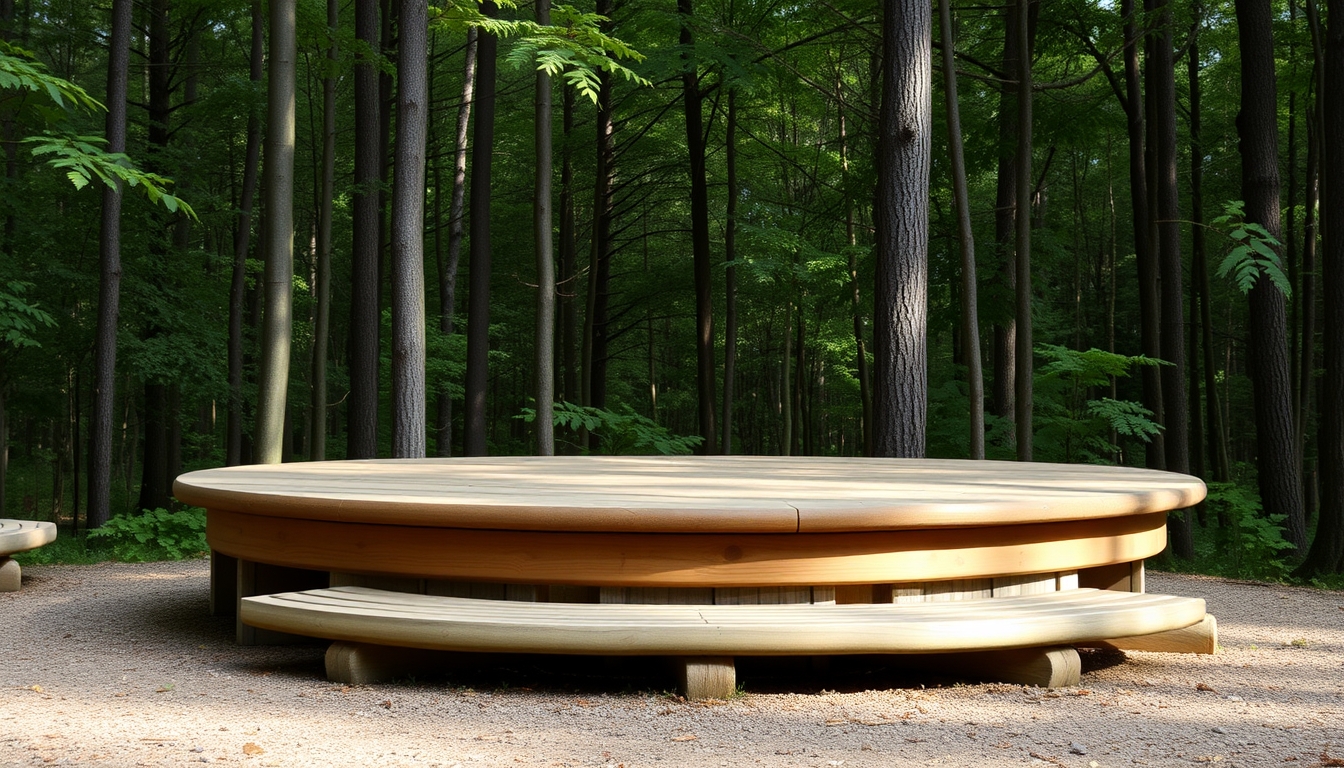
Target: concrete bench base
[[20, 536], [1020, 639]]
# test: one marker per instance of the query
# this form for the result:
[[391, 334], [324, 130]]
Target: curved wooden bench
[[20, 536], [1043, 626]]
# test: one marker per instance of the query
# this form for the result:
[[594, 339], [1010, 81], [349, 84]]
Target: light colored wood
[[23, 535], [1196, 638], [261, 579], [907, 593], [364, 664], [1048, 667], [822, 595], [1137, 582], [958, 589], [361, 615], [389, 583], [686, 560], [689, 494], [1035, 584], [706, 677], [657, 595], [1067, 580], [11, 575]]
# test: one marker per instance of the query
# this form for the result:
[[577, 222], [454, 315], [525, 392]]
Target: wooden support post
[[1051, 667], [266, 579], [1198, 638], [11, 575], [223, 584], [706, 677], [364, 664]]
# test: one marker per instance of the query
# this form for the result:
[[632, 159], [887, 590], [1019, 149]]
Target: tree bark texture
[[729, 276], [317, 438], [109, 281], [1024, 351], [544, 362], [1327, 548], [362, 411], [277, 317], [1279, 472], [408, 238], [901, 206], [970, 320], [478, 293]]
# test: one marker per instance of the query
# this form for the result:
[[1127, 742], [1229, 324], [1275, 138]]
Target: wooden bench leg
[[706, 677], [263, 579], [223, 584], [11, 575], [1050, 667], [1198, 638], [364, 664]]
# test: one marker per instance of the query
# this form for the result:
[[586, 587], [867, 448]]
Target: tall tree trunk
[[317, 438], [362, 411], [478, 295], [730, 276], [541, 226], [901, 207], [242, 239], [1024, 352], [1327, 548], [569, 267], [109, 282], [1162, 82], [277, 318], [594, 382], [448, 274], [408, 238], [970, 320], [1279, 473], [704, 298], [855, 299]]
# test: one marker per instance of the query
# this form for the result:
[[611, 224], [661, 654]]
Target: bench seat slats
[[23, 535], [364, 615]]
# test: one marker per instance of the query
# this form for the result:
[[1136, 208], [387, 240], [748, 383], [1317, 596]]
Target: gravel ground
[[121, 665]]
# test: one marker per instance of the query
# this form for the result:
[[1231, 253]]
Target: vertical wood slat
[[1136, 577], [958, 589], [1067, 580], [1033, 584]]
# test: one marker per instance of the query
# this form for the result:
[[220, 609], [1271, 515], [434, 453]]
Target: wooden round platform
[[687, 521]]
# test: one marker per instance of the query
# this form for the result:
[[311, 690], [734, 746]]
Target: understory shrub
[[155, 534]]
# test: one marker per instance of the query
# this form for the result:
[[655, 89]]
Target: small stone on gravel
[[1077, 749]]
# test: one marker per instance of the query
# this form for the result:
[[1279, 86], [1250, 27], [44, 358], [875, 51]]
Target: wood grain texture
[[23, 535], [11, 575], [1196, 638], [706, 677], [685, 560], [1050, 667], [355, 614], [685, 494]]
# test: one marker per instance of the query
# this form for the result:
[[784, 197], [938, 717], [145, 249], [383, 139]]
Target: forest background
[[726, 226]]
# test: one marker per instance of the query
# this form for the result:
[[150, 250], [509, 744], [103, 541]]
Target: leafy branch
[[1253, 254], [19, 319]]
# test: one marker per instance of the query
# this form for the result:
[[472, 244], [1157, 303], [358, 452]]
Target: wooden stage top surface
[[684, 494]]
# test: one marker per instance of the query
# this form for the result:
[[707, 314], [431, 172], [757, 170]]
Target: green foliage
[[1253, 253], [19, 318], [1249, 544], [623, 433], [155, 534], [1072, 424], [83, 160], [20, 70]]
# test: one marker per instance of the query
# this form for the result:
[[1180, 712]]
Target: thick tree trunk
[[478, 294], [362, 411], [1279, 473], [109, 284], [242, 241], [1162, 82], [1004, 389], [1327, 548], [317, 438], [544, 363], [1023, 348], [277, 318], [704, 298], [901, 206], [408, 238], [448, 274], [970, 320]]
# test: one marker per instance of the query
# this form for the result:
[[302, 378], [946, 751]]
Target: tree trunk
[[704, 298], [569, 267], [277, 318], [855, 299], [730, 277], [1162, 82], [594, 383], [478, 296], [362, 412], [448, 275], [1279, 473], [408, 238], [317, 438], [901, 206], [109, 283], [970, 320], [1023, 349], [541, 225], [242, 237], [1326, 555]]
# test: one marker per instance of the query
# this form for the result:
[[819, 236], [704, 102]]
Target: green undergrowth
[[153, 535]]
